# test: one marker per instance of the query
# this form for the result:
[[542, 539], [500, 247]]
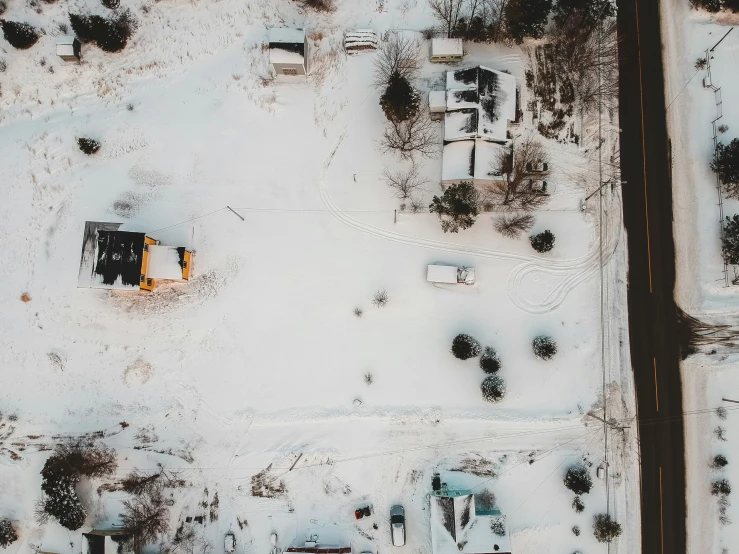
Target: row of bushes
[[110, 34]]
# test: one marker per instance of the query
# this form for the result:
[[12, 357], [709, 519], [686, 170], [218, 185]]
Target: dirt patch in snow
[[138, 373], [266, 485]]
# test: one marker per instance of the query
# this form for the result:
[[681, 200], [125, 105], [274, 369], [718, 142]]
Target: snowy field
[[711, 375], [259, 360]]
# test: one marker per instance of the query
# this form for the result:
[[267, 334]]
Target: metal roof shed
[[68, 48]]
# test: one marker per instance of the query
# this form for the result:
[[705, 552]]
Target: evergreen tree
[[526, 18], [542, 242], [489, 361], [719, 461], [88, 146], [730, 246], [457, 208], [493, 388], [8, 534], [578, 479], [20, 35], [544, 347], [399, 101], [605, 528], [726, 164], [709, 5], [465, 347], [110, 34]]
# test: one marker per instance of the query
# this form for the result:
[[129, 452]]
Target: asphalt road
[[655, 354]]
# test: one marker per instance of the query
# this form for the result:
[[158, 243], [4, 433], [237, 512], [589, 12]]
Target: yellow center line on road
[[643, 147], [661, 525], [656, 387]]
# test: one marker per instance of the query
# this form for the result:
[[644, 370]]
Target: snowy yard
[[260, 360]]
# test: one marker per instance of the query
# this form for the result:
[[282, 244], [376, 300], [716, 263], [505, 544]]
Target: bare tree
[[139, 483], [417, 135], [81, 458], [518, 190], [404, 182], [512, 225], [146, 518], [448, 12], [400, 54]]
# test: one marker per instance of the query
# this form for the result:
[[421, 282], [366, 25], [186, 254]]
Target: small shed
[[107, 541], [287, 51], [361, 40], [68, 48], [437, 104], [445, 50]]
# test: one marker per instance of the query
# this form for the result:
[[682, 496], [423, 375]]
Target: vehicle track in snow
[[572, 272]]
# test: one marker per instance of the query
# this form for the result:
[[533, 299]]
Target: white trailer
[[450, 274]]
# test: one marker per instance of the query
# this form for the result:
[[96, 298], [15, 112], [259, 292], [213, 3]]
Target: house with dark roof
[[127, 260], [287, 51], [457, 525]]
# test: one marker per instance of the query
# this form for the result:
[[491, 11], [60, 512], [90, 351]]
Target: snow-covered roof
[[165, 262], [447, 47], [65, 45], [457, 527], [490, 93], [65, 39], [287, 45], [111, 259], [470, 159], [441, 274], [437, 100]]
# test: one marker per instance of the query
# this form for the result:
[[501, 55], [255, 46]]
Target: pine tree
[[399, 101], [578, 480], [544, 347], [542, 242], [8, 534], [493, 388], [730, 246], [465, 347], [20, 35], [489, 361], [605, 528], [709, 5], [458, 207], [88, 146], [526, 18], [726, 164]]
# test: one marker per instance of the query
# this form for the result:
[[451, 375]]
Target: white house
[[473, 161], [457, 526], [445, 50], [288, 49]]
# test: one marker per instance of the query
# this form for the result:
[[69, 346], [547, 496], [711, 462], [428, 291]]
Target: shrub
[[489, 361], [578, 505], [493, 388], [544, 347], [719, 461], [485, 500], [380, 299], [8, 534], [730, 246], [578, 480], [318, 5], [20, 35], [576, 531], [359, 312], [542, 242], [726, 163], [458, 207], [511, 226], [700, 63], [465, 347], [88, 146], [720, 487], [111, 4], [605, 528], [722, 128], [399, 101], [428, 33], [497, 526]]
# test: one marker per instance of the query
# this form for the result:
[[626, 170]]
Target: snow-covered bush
[[544, 347], [605, 528], [20, 35], [720, 487], [493, 388], [576, 531], [578, 505], [497, 526], [465, 347], [88, 146], [542, 242], [7, 533], [719, 461], [489, 361], [458, 207], [578, 479], [380, 299]]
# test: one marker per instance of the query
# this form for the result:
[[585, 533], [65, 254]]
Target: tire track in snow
[[574, 271]]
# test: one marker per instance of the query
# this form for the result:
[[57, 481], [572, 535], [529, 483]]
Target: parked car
[[438, 273], [229, 544], [397, 525]]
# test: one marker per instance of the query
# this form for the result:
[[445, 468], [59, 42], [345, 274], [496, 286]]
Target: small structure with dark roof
[[126, 260], [107, 541], [68, 48], [287, 51]]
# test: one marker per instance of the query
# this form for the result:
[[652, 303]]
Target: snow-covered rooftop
[[447, 47], [287, 45], [470, 159], [491, 93], [111, 259], [457, 527], [437, 100], [165, 262]]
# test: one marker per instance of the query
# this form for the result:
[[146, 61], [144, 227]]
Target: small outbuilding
[[107, 541], [126, 260], [287, 51], [68, 48], [447, 50], [437, 104]]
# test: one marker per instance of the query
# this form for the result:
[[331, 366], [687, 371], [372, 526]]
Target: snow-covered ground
[[711, 375], [260, 358]]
